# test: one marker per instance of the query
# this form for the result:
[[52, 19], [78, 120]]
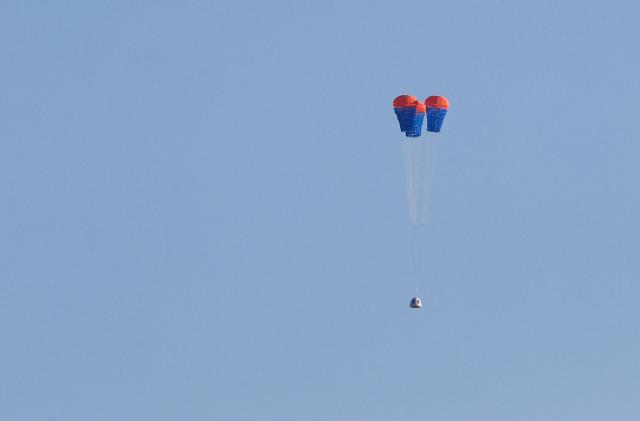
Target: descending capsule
[[437, 107], [410, 113]]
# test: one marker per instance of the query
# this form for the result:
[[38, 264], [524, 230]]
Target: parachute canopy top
[[437, 107], [410, 113]]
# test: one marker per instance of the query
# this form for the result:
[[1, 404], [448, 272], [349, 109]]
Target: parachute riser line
[[415, 270]]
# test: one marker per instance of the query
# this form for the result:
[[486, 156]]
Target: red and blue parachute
[[411, 112], [437, 107]]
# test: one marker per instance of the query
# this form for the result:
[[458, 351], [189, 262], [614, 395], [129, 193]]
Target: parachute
[[410, 113], [418, 161], [437, 107]]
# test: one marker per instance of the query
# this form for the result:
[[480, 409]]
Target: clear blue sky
[[202, 212]]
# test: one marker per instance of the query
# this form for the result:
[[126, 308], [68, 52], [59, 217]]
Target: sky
[[203, 215]]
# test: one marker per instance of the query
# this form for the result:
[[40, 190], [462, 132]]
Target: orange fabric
[[437, 102], [421, 108], [405, 101]]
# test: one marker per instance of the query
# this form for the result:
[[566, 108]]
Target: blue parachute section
[[435, 118], [410, 121]]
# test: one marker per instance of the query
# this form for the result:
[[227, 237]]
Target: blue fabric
[[410, 121], [435, 118]]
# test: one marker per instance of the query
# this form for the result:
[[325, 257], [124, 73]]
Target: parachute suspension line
[[414, 166], [418, 165], [415, 269], [428, 161], [408, 147]]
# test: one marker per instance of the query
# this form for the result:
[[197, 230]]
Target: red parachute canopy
[[406, 101], [437, 102]]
